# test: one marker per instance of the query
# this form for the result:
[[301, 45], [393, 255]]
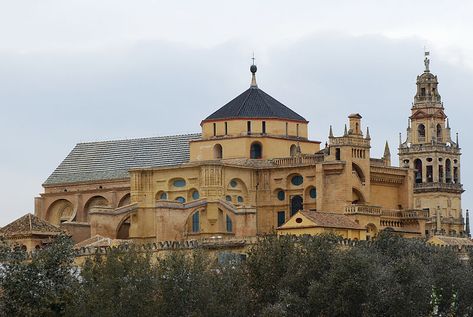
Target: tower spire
[[368, 137], [330, 133], [345, 133], [253, 70], [456, 141], [400, 139], [467, 226], [387, 154]]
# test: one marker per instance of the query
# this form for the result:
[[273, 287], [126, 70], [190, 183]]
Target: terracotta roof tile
[[27, 225], [452, 240], [331, 220]]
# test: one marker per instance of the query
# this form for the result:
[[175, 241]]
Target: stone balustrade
[[433, 186], [303, 159], [363, 209], [429, 148]]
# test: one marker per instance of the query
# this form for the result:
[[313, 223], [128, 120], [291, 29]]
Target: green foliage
[[42, 286], [119, 284], [282, 276]]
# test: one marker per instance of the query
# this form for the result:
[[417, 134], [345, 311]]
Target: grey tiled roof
[[109, 160], [255, 103]]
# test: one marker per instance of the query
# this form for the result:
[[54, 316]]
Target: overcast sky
[[87, 70]]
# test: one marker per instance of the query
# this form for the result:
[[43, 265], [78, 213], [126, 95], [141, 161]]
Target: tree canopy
[[281, 276]]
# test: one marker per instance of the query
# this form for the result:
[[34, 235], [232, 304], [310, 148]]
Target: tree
[[120, 283], [42, 286]]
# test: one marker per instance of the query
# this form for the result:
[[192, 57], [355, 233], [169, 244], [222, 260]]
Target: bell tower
[[434, 159]]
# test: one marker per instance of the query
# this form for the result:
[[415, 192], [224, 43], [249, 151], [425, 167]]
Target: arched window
[[448, 171], [356, 169], [256, 151], [126, 200], [456, 180], [196, 222], [439, 133], [293, 150], [357, 197], [418, 168], [124, 229], [296, 204], [195, 194], [421, 132], [229, 224], [218, 152]]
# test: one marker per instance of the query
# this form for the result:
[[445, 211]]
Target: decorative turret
[[387, 155], [355, 124]]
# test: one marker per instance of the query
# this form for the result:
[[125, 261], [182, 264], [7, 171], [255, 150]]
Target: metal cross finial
[[253, 58]]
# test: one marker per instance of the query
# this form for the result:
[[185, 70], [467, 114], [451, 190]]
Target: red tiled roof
[[331, 220], [27, 225]]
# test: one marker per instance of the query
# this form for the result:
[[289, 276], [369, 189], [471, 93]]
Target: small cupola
[[427, 85], [355, 124]]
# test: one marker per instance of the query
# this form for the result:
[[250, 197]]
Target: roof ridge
[[266, 102], [246, 98], [141, 138]]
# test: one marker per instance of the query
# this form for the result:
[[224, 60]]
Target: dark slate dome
[[255, 103]]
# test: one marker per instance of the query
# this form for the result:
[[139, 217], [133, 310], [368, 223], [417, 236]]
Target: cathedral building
[[435, 157], [253, 170]]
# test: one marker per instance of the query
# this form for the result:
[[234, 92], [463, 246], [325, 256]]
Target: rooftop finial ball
[[253, 69]]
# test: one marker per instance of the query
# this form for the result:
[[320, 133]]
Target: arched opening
[[296, 204], [61, 210], [439, 133], [196, 222], [229, 224], [256, 150], [421, 132], [448, 171], [218, 152], [293, 150], [371, 231], [94, 202], [418, 171], [310, 194], [161, 195], [124, 229], [193, 194], [357, 197], [356, 169], [125, 201]]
